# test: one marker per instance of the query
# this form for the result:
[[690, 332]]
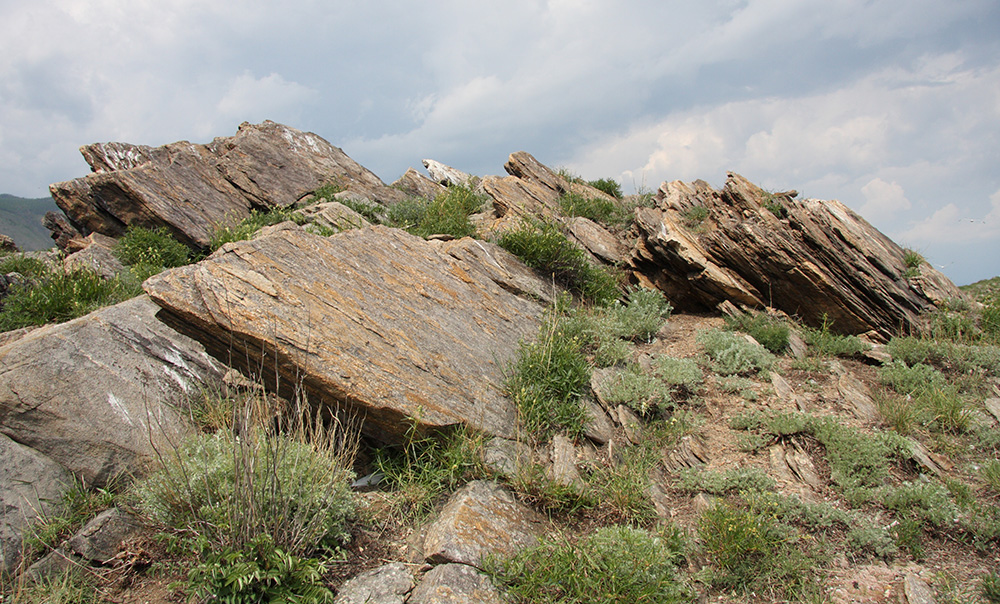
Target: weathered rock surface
[[821, 260], [98, 257], [455, 584], [190, 189], [388, 584], [416, 184], [31, 486], [481, 518], [99, 541], [99, 394], [446, 175], [374, 321]]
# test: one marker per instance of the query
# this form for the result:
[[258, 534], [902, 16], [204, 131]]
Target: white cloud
[[884, 200], [954, 224], [255, 99]]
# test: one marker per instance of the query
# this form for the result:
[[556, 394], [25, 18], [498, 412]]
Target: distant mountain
[[21, 219]]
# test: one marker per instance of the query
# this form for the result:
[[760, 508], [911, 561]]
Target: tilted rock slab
[[191, 188], [455, 584], [822, 259], [102, 394], [374, 321]]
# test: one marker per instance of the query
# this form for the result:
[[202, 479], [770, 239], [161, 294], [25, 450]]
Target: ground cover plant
[[248, 227], [446, 214], [543, 247]]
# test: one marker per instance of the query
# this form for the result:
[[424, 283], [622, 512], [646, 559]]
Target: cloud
[[952, 224], [883, 200], [271, 97]]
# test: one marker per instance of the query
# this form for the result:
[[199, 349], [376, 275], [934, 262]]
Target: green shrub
[[990, 472], [683, 373], [153, 247], [946, 356], [773, 205], [446, 214], [752, 552], [929, 502], [824, 342], [615, 564], [26, 266], [78, 504], [641, 317], [723, 482], [607, 185], [989, 320], [544, 248], [639, 390], [546, 382], [58, 296], [734, 355], [248, 227], [600, 210], [912, 260], [258, 572], [738, 385], [771, 334], [911, 380], [426, 466]]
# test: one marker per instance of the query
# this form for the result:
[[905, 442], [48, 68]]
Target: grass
[[608, 185], [57, 296], [446, 214], [150, 251], [425, 467], [249, 226], [770, 333], [824, 342], [912, 261], [543, 247], [601, 210], [614, 564], [695, 216], [78, 505]]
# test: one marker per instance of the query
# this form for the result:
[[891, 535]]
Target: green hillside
[[21, 219]]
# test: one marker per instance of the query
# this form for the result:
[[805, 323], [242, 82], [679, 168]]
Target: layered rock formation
[[811, 258], [192, 189]]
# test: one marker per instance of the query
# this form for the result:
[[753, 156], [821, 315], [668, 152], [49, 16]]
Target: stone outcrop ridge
[[192, 188], [374, 320], [818, 260]]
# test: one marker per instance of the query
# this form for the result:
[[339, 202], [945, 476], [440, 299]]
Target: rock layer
[[374, 321], [811, 258]]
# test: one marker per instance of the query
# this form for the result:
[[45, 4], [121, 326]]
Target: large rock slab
[[191, 189], [388, 584], [373, 321], [481, 518], [819, 260], [31, 486], [99, 395]]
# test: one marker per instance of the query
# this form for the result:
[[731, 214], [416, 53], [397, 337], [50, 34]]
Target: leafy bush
[[912, 260], [546, 382], [608, 185], [258, 572], [826, 343], [252, 503], [615, 564], [641, 317], [771, 334], [911, 380], [544, 248], [718, 482], [248, 227], [58, 296], [733, 355], [947, 356], [26, 266], [924, 500], [150, 251]]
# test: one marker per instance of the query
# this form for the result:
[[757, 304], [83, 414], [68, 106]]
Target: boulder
[[98, 257], [388, 584], [371, 321], [455, 584], [100, 395], [810, 258], [334, 215], [7, 245], [415, 184], [481, 518], [191, 189], [63, 234], [31, 486], [98, 542]]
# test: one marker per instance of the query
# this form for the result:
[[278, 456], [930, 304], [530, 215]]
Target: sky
[[890, 106]]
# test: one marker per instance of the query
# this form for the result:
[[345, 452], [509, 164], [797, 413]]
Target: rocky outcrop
[[191, 189], [100, 395], [374, 321], [811, 258], [446, 175], [415, 184]]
